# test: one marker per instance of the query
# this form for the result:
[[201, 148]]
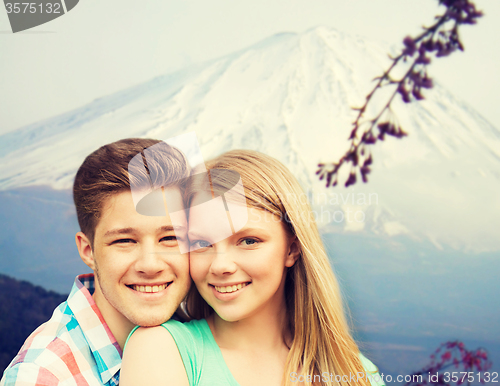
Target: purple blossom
[[427, 82], [410, 46], [452, 354], [351, 180], [438, 40], [404, 93]]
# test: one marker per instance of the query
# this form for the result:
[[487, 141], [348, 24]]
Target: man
[[140, 275]]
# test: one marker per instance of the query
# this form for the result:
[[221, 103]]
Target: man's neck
[[119, 326]]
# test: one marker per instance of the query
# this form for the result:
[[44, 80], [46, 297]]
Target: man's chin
[[151, 322]]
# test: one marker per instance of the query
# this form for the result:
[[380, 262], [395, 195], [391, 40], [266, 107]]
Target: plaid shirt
[[75, 347]]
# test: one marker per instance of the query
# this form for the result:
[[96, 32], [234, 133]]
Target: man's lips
[[149, 288]]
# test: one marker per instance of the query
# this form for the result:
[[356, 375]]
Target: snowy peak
[[291, 96]]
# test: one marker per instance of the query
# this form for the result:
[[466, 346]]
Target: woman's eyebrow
[[196, 234], [200, 234], [250, 230]]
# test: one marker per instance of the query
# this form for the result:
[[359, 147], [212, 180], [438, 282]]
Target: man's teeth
[[230, 288], [150, 288]]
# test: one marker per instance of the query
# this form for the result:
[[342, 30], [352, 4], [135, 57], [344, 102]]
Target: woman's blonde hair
[[322, 341]]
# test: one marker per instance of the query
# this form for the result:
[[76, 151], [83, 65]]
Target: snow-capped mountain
[[290, 96]]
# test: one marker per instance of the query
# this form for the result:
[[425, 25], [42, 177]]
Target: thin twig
[[437, 40]]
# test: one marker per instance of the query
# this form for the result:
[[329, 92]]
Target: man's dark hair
[[106, 172]]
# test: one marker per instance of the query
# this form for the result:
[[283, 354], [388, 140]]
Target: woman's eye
[[169, 238], [200, 244], [249, 242]]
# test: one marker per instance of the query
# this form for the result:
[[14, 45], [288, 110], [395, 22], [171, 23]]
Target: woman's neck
[[254, 347], [263, 331]]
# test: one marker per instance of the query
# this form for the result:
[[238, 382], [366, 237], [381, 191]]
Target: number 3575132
[[33, 7]]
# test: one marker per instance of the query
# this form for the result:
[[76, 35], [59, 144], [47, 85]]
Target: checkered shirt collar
[[102, 343]]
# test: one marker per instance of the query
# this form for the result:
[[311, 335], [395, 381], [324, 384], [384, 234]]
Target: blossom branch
[[440, 39], [452, 354]]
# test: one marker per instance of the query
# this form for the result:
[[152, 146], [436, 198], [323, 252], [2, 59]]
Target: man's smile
[[149, 288]]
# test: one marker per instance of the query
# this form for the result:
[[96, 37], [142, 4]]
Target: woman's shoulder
[[144, 334], [187, 336], [371, 371], [193, 336], [195, 329], [152, 348], [193, 324], [368, 364]]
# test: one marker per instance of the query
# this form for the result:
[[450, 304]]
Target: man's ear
[[293, 252], [85, 249]]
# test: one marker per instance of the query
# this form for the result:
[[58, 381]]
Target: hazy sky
[[101, 47]]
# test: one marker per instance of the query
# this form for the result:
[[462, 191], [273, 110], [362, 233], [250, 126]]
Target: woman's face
[[244, 274]]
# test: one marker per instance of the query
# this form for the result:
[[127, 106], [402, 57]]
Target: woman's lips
[[226, 292], [230, 288]]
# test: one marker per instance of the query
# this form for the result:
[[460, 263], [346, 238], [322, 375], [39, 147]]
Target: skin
[[131, 250], [256, 257], [248, 323]]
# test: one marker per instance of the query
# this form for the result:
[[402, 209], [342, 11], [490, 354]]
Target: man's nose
[[151, 260], [223, 262]]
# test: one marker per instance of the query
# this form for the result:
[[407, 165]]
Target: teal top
[[205, 365]]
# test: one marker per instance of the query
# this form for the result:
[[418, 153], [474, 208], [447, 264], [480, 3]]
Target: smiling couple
[[264, 303]]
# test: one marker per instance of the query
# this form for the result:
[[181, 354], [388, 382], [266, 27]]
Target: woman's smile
[[244, 274], [229, 288]]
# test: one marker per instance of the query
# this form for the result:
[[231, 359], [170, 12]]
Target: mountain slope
[[290, 96]]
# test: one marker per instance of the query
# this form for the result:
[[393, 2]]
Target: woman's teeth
[[149, 288], [230, 288]]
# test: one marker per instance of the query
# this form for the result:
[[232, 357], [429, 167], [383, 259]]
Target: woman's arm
[[151, 357]]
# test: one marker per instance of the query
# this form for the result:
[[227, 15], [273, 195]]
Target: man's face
[[141, 277]]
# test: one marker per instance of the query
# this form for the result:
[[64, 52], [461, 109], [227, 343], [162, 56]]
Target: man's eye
[[169, 238], [123, 241], [200, 244]]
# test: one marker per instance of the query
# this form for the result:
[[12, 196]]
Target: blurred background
[[417, 248]]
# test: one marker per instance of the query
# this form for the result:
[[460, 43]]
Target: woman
[[267, 306]]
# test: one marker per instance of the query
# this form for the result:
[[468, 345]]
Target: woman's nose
[[223, 262]]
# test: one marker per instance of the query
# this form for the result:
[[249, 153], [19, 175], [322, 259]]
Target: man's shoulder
[[59, 331], [62, 328], [46, 349], [65, 347], [28, 374]]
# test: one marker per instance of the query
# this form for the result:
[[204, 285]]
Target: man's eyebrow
[[170, 228], [130, 230], [120, 231]]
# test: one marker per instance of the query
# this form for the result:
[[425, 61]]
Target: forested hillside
[[23, 307]]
